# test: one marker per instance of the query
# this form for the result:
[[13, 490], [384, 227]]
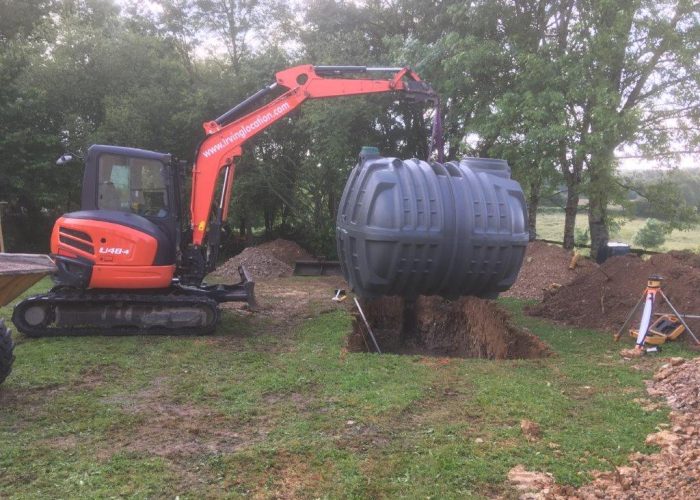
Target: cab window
[[132, 185]]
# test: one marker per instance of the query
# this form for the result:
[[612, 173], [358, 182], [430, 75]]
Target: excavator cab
[[128, 229], [134, 181]]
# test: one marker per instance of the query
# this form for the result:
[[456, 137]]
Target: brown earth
[[603, 296], [274, 259], [169, 429], [545, 267], [287, 251], [288, 301], [468, 327]]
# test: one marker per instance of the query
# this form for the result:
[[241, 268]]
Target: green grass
[[550, 226], [267, 413]]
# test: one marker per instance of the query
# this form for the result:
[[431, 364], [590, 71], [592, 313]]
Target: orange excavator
[[132, 260]]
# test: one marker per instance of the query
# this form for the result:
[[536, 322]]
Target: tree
[[28, 134], [241, 25], [639, 60], [80, 73], [652, 235], [666, 197]]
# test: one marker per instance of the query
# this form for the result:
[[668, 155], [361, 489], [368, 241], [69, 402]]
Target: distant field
[[550, 226]]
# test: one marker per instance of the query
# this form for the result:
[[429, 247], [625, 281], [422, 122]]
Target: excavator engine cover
[[411, 228]]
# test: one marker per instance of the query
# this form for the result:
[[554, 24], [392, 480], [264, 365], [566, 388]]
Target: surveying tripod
[[649, 299]]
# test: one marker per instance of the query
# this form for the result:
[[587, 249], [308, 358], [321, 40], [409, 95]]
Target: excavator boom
[[227, 134]]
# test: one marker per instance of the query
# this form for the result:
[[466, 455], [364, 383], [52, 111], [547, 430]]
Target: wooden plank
[[18, 272]]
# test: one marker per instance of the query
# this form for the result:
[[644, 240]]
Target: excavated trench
[[465, 328]]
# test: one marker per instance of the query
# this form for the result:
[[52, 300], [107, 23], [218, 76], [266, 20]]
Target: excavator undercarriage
[[75, 312], [178, 310]]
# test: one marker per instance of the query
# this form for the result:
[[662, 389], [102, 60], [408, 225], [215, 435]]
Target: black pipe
[[239, 109]]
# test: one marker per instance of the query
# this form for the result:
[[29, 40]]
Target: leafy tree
[[639, 59], [652, 235], [664, 198], [28, 134], [242, 24]]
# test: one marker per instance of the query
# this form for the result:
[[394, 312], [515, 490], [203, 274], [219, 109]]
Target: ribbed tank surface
[[410, 228]]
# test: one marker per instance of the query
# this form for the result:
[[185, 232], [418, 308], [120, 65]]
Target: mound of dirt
[[287, 251], [468, 327], [273, 259], [690, 258], [603, 296], [544, 268]]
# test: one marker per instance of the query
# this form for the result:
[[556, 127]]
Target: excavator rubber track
[[79, 313]]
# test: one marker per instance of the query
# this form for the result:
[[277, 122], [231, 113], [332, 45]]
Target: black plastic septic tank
[[411, 228]]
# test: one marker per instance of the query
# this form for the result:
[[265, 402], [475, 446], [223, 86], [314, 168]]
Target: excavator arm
[[227, 134]]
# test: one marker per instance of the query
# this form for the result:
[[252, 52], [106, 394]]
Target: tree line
[[556, 87]]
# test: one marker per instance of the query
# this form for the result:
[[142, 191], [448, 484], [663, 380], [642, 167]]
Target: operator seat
[[109, 198]]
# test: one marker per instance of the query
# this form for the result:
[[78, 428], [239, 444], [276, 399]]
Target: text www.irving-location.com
[[246, 130]]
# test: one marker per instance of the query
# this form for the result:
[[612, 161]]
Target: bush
[[581, 237], [652, 235]]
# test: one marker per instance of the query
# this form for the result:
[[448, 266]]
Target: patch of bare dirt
[[299, 401], [273, 259], [362, 437], [531, 430], [673, 472], [290, 476], [31, 401], [170, 429], [283, 304], [467, 327], [28, 399], [96, 375], [64, 443], [529, 483], [545, 268], [287, 301], [603, 296]]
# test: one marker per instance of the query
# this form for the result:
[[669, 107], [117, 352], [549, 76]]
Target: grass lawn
[[264, 409], [550, 226]]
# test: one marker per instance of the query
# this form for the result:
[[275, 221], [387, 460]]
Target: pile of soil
[[679, 382], [674, 472], [545, 267], [273, 259], [603, 296], [468, 327], [287, 251]]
